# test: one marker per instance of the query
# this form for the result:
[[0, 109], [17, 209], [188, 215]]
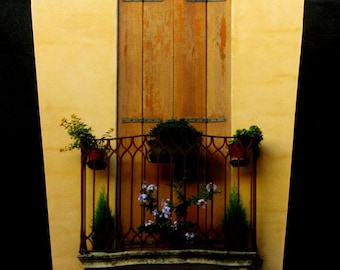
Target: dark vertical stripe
[[24, 219], [312, 224]]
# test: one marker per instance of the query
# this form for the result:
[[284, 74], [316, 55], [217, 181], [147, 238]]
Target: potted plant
[[103, 225], [177, 141], [235, 225], [83, 139], [244, 143]]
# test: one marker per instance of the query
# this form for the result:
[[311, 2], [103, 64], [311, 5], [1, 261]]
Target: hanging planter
[[239, 155], [244, 145], [171, 138], [158, 154], [94, 150], [176, 141], [96, 159]]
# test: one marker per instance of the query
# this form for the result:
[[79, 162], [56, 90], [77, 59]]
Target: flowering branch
[[171, 217]]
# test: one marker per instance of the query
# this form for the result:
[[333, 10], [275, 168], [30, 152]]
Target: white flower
[[202, 203], [148, 223], [151, 187], [211, 187], [155, 212], [189, 235], [166, 210], [142, 198]]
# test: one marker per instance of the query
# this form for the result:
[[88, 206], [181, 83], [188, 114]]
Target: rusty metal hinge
[[206, 0], [192, 120], [162, 0], [142, 0]]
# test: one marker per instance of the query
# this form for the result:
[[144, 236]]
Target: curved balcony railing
[[197, 179]]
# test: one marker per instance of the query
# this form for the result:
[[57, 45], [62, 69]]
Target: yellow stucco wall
[[75, 47], [266, 40]]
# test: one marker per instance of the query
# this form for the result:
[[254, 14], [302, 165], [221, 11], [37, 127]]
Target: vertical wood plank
[[218, 65], [190, 59], [218, 85], [130, 70], [190, 67], [130, 73], [157, 60]]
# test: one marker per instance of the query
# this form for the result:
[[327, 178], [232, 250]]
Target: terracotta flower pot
[[239, 156], [96, 159]]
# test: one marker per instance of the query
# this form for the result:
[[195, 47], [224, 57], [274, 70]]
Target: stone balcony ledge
[[169, 259]]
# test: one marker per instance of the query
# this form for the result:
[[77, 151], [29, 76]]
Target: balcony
[[198, 180]]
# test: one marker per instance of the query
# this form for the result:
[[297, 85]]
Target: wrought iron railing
[[197, 179]]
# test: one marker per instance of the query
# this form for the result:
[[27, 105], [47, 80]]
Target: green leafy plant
[[177, 141], [242, 141], [81, 134], [169, 219], [103, 224], [252, 135], [174, 133], [234, 223]]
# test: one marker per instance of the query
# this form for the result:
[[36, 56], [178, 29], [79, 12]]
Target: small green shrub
[[235, 224], [103, 225]]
